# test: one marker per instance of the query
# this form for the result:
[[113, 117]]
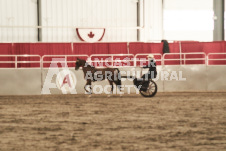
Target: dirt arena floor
[[168, 121]]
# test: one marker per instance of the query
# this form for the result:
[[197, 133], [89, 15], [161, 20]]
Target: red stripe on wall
[[140, 47]]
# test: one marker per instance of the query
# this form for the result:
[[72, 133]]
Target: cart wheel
[[151, 90]]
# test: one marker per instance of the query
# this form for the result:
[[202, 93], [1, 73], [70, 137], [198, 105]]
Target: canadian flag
[[90, 34]]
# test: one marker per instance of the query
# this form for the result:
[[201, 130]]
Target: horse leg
[[118, 83], [88, 83], [112, 87]]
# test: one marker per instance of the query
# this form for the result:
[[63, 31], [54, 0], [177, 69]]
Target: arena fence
[[24, 79], [142, 57], [66, 60], [114, 48], [184, 58], [216, 59], [18, 61], [112, 60]]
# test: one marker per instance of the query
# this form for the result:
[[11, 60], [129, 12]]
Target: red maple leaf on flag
[[91, 35]]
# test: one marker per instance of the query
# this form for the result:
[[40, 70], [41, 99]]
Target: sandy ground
[[168, 121]]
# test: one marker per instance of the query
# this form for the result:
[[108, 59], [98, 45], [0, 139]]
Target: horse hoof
[[89, 96], [109, 95]]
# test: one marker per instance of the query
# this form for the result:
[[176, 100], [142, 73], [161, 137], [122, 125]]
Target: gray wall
[[198, 78], [20, 81]]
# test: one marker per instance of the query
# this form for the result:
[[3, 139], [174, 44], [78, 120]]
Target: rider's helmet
[[150, 56]]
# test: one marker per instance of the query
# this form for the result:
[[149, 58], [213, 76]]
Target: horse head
[[79, 63]]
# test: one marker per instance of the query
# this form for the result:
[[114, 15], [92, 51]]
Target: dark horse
[[92, 74]]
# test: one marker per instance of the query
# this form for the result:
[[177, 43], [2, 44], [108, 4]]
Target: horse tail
[[118, 81]]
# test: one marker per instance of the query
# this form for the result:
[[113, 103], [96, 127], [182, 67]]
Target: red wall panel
[[139, 47], [109, 48], [213, 47], [118, 48], [42, 48], [189, 47], [174, 47], [6, 49], [90, 48], [99, 48]]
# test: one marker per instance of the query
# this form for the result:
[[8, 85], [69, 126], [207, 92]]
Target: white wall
[[153, 20], [188, 20], [107, 13], [120, 14], [89, 13], [18, 13]]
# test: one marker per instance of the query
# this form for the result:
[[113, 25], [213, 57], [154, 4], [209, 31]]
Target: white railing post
[[65, 62], [112, 60], [163, 59], [135, 61], [16, 62], [180, 48], [207, 60]]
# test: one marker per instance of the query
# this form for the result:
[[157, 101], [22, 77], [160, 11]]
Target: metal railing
[[27, 61], [15, 60], [183, 58], [105, 59], [63, 59], [145, 59], [216, 58]]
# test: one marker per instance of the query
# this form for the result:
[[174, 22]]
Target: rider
[[152, 73]]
